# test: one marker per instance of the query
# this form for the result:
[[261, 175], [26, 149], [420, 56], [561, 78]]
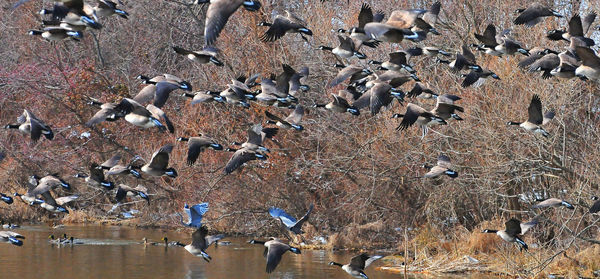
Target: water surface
[[117, 252]]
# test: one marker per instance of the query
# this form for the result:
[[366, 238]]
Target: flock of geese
[[368, 88]]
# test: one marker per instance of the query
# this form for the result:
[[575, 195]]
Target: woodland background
[[362, 175]]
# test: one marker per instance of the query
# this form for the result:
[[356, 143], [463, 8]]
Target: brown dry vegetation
[[359, 172]]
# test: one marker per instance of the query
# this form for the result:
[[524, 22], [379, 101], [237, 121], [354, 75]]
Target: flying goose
[[194, 214], [159, 88], [429, 51], [445, 107], [107, 112], [416, 114], [396, 62], [219, 12], [197, 145], [72, 13], [271, 93], [346, 49], [477, 77], [28, 123], [488, 40], [52, 205], [290, 122], [443, 167], [281, 25], [377, 97], [358, 33], [11, 237], [124, 190], [274, 250], [113, 167], [288, 221], [48, 183], [252, 149], [419, 90], [566, 68], [28, 197], [357, 265], [204, 97], [389, 33], [411, 19], [536, 119], [159, 162], [106, 8], [96, 177], [590, 64], [553, 202], [144, 117], [513, 229], [204, 56], [533, 14], [56, 33], [596, 206], [577, 29], [201, 241], [463, 61], [545, 64], [339, 104], [351, 71], [6, 199]]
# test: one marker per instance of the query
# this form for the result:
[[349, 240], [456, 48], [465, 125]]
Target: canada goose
[[55, 33], [553, 202], [389, 33], [107, 112], [48, 183], [197, 145], [346, 49], [159, 88], [513, 229], [9, 225], [419, 90], [577, 29], [509, 47], [590, 64], [194, 214], [357, 265], [295, 82], [96, 177], [159, 163], [488, 40], [237, 93], [566, 68], [274, 250], [536, 119], [105, 8], [144, 117], [288, 221], [271, 93], [6, 199], [204, 97], [596, 206], [204, 56], [463, 61], [429, 51], [411, 19], [201, 241], [545, 64], [289, 23], [443, 167], [113, 167], [534, 14], [396, 62], [28, 123], [477, 77], [73, 12], [124, 190], [219, 12], [536, 53], [290, 122], [416, 114], [393, 78], [377, 97], [445, 107], [52, 205], [351, 71], [358, 33], [252, 149], [29, 198], [11, 237], [172, 243], [339, 104]]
